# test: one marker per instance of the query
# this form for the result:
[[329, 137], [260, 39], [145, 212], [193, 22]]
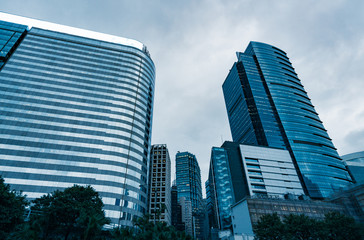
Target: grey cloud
[[193, 45]]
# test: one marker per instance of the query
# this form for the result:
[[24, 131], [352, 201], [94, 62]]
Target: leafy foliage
[[269, 227], [12, 209], [147, 230], [335, 226], [75, 213]]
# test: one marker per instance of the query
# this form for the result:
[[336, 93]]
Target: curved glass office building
[[75, 108], [268, 106]]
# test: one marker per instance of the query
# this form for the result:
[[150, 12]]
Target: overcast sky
[[193, 45]]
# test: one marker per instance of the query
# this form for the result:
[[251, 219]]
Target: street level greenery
[[334, 226], [75, 213], [12, 208]]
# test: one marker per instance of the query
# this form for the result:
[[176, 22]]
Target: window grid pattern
[[77, 111]]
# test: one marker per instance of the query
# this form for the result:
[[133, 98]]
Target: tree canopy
[[335, 226], [12, 209], [75, 213], [148, 230]]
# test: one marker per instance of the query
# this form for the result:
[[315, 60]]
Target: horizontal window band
[[288, 86], [81, 43], [313, 144], [45, 122], [78, 70], [82, 178], [52, 72], [71, 139], [44, 52], [13, 107], [308, 110], [11, 71], [317, 120], [106, 166], [329, 155], [70, 166], [41, 187], [64, 106], [295, 74], [323, 129], [71, 155], [9, 92], [53, 80], [72, 148]]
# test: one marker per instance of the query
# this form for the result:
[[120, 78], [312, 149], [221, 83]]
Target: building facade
[[188, 178], [76, 108], [268, 106], [355, 164], [238, 171], [187, 218], [221, 195], [269, 171], [160, 184], [176, 217], [248, 211]]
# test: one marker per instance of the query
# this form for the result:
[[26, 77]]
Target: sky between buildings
[[193, 45]]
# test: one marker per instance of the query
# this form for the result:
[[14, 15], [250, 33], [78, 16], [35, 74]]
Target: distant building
[[188, 178], [267, 105], [355, 164], [160, 184], [187, 218], [201, 222], [220, 190], [247, 212], [176, 210], [352, 199]]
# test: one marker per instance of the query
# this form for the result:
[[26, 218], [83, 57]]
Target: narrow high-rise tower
[[160, 184], [188, 179], [75, 108], [268, 106]]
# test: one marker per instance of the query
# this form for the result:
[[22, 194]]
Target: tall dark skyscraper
[[188, 178], [75, 108], [268, 106]]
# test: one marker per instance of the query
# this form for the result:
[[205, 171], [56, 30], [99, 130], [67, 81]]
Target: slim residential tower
[[268, 106], [160, 184], [75, 108]]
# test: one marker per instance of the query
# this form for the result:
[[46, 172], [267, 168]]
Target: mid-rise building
[[188, 178], [355, 164], [75, 108], [238, 171], [248, 211], [160, 184], [268, 106]]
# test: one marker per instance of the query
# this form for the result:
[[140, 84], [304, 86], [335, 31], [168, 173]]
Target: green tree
[[337, 226], [300, 227], [12, 209], [269, 227], [144, 229], [75, 213]]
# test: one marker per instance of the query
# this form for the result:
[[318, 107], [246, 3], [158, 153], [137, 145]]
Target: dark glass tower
[[268, 106], [221, 189], [75, 108], [188, 179]]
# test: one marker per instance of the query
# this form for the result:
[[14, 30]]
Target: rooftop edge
[[71, 30]]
